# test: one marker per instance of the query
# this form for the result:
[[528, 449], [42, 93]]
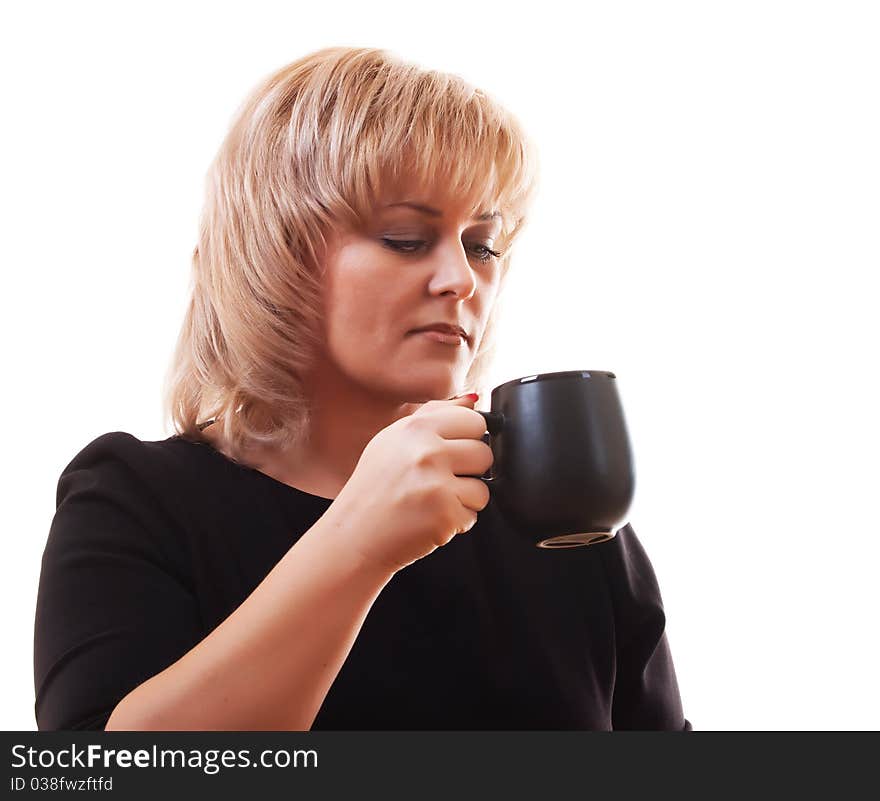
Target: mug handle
[[494, 421], [494, 425]]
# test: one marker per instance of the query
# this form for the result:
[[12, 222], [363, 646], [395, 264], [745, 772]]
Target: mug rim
[[531, 379]]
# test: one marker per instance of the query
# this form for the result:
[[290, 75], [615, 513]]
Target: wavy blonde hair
[[308, 151]]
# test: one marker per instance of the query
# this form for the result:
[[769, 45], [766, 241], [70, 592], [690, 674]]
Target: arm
[[119, 634], [119, 639], [270, 664], [646, 693]]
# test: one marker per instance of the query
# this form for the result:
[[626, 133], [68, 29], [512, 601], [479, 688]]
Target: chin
[[410, 384], [438, 389]]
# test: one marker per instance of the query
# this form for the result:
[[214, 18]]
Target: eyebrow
[[437, 213]]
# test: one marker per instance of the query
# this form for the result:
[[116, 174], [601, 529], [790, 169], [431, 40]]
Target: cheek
[[487, 303], [354, 314]]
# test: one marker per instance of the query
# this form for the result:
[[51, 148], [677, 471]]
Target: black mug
[[563, 470]]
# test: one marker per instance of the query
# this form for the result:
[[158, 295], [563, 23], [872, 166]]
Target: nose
[[453, 272]]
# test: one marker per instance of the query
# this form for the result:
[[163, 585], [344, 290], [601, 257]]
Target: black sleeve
[[113, 606], [646, 694]]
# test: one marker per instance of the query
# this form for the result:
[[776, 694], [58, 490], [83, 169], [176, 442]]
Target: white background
[[707, 228]]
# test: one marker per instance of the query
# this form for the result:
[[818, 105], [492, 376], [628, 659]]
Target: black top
[[154, 544]]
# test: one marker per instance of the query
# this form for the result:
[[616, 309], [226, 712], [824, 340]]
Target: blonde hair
[[308, 151]]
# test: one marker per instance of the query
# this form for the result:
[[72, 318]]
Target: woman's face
[[420, 260]]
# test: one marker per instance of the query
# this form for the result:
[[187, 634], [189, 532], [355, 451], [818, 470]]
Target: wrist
[[352, 534]]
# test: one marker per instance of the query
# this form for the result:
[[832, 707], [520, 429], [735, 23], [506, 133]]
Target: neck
[[344, 419]]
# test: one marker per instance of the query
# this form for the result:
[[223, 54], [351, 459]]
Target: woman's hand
[[410, 492]]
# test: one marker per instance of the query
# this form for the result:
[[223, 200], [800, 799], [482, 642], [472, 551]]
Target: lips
[[445, 328]]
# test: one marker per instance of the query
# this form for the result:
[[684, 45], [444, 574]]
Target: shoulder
[[632, 582], [120, 469], [160, 461], [121, 448], [626, 559]]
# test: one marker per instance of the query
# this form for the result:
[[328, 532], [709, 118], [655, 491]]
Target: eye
[[487, 254], [403, 245], [483, 253]]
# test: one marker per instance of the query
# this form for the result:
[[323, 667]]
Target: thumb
[[465, 400], [458, 400]]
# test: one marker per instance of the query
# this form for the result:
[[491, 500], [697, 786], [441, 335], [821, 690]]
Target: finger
[[468, 457], [456, 422], [467, 523], [459, 400], [472, 493]]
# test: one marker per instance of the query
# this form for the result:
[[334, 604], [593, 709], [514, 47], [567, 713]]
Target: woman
[[314, 548]]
